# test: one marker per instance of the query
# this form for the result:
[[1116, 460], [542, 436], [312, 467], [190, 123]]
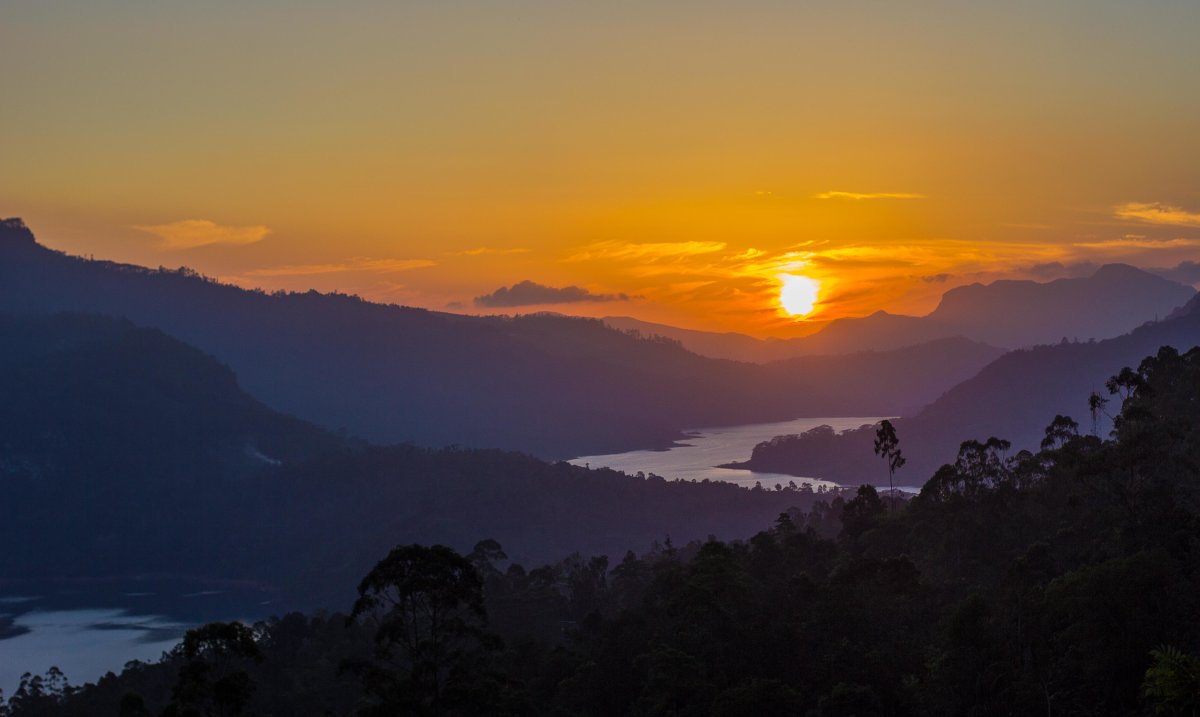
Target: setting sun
[[798, 294]]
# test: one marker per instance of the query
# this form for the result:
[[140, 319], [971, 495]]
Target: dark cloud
[[455, 305], [936, 278], [528, 293]]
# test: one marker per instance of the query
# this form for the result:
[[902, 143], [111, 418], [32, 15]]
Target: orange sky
[[675, 158]]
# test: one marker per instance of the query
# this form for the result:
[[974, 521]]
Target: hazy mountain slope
[[1014, 398], [879, 331], [125, 452], [1112, 301], [1013, 314], [901, 380], [551, 385], [391, 373], [115, 443], [727, 345]]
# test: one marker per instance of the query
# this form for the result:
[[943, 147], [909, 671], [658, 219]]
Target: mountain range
[[549, 385], [126, 452], [1010, 314]]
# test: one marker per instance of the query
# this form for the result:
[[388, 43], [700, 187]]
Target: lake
[[698, 455], [88, 628]]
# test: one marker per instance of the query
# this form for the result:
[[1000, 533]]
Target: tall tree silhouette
[[887, 447]]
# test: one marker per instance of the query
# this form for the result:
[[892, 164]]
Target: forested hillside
[[1062, 582]]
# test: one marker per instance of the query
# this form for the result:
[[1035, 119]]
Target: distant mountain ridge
[[1011, 314], [1114, 300], [553, 386]]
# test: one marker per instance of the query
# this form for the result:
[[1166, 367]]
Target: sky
[[673, 161]]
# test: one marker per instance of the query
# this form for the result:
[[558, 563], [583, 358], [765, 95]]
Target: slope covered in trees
[[1062, 582], [1008, 398]]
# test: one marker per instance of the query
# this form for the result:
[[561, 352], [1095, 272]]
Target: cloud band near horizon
[[529, 293]]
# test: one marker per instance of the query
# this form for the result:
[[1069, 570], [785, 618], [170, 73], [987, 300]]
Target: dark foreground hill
[[1013, 398], [548, 385], [125, 452]]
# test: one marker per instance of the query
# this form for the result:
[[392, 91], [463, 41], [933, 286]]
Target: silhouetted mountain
[[878, 331], [551, 385], [126, 452], [1114, 300], [1013, 398], [725, 345], [1013, 314]]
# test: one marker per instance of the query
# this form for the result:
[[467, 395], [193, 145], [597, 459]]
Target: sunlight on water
[[706, 448]]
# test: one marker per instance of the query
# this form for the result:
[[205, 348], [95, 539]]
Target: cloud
[[653, 251], [491, 251], [191, 233], [367, 264], [858, 196], [1140, 243], [528, 293], [1157, 213], [937, 278]]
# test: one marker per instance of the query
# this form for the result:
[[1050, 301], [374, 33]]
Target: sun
[[798, 294]]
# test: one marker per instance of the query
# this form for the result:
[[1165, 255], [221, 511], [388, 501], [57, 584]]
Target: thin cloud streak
[[1157, 213], [491, 251], [654, 251], [366, 264], [1132, 242], [192, 233], [859, 196]]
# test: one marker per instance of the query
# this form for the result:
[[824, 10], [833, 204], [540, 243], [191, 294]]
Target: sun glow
[[798, 295]]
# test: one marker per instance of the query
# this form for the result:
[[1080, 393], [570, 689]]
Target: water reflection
[[706, 448]]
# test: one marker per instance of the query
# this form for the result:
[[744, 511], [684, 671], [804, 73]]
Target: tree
[[887, 447], [1062, 430], [859, 515], [1173, 681], [427, 607], [211, 681], [1096, 404]]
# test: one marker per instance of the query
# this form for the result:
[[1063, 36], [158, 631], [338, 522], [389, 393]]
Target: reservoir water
[[697, 456], [87, 628]]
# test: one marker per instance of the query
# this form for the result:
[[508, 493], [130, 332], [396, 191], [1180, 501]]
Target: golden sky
[[671, 160]]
